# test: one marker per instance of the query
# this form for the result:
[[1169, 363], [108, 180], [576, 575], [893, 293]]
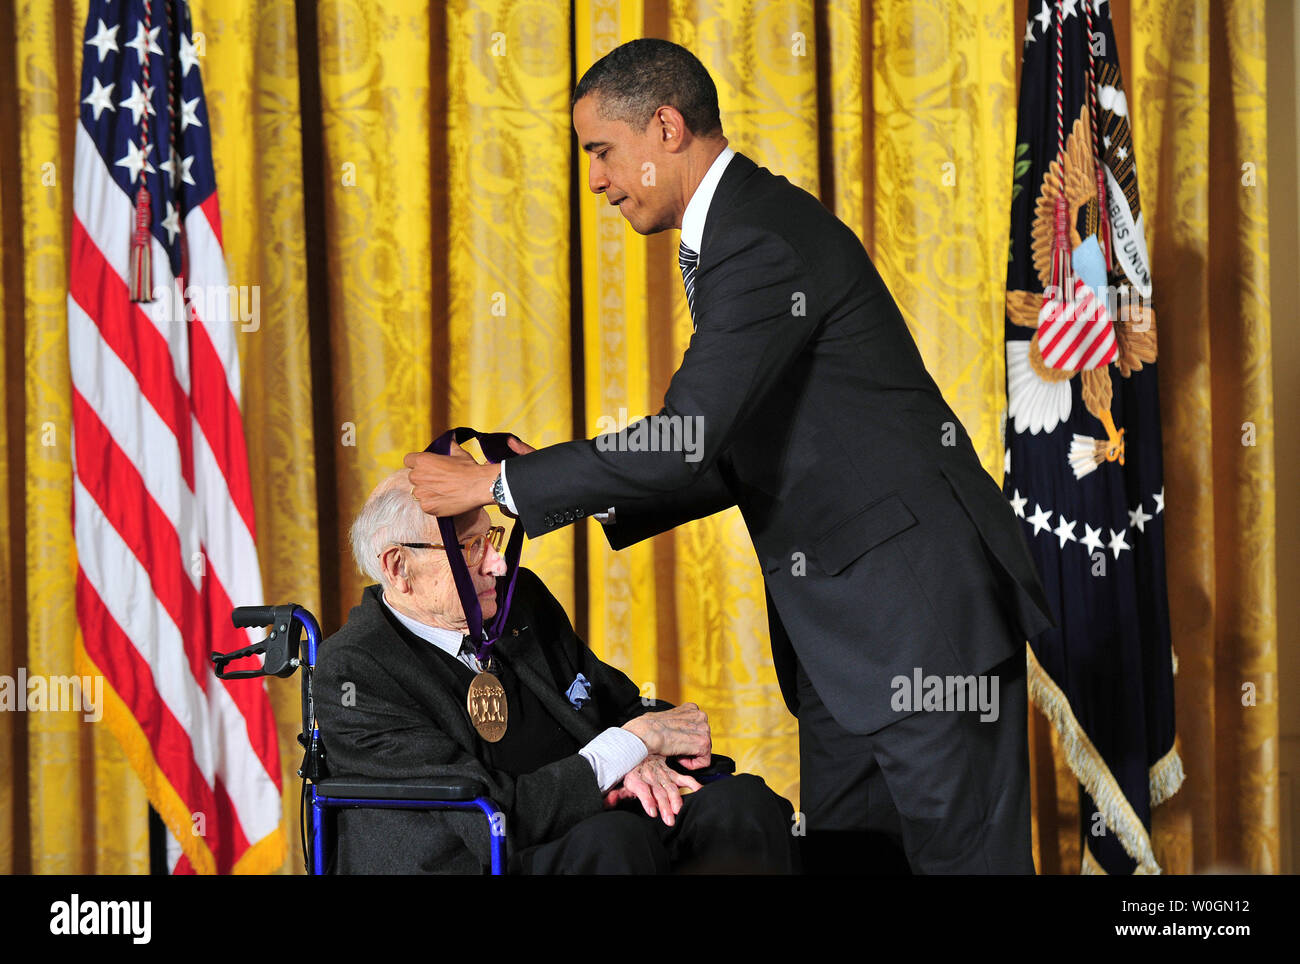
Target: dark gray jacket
[[885, 546], [407, 721]]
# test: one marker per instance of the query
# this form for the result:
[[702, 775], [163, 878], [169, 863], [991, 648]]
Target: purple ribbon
[[497, 448]]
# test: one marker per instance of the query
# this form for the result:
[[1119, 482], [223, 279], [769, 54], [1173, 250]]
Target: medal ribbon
[[496, 448]]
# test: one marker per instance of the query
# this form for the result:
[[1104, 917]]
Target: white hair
[[388, 517]]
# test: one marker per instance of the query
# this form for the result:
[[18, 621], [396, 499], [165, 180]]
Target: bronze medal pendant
[[486, 703]]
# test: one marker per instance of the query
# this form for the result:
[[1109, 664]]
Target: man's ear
[[671, 128], [394, 566]]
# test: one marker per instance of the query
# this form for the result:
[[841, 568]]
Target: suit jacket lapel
[[737, 172], [437, 681], [523, 650]]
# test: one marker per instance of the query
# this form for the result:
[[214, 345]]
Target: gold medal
[[486, 703]]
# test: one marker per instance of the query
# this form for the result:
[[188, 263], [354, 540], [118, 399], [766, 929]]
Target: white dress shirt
[[612, 753]]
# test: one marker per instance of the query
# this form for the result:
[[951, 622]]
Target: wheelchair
[[321, 792], [282, 656]]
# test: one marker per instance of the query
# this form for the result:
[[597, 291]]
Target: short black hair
[[637, 78]]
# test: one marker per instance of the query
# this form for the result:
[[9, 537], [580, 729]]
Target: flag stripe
[[102, 295], [111, 649], [121, 494], [217, 414], [124, 587], [225, 748], [106, 215], [110, 388]]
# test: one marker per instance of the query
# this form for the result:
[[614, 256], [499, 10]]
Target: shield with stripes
[[1075, 333]]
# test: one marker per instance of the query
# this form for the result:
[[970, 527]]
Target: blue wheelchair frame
[[281, 658]]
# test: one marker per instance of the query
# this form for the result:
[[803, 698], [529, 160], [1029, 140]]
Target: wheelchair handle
[[248, 617]]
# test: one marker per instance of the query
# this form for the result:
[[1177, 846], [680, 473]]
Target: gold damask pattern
[[10, 580], [944, 118], [622, 615], [848, 62], [79, 786], [375, 63], [1220, 542], [464, 316], [508, 142]]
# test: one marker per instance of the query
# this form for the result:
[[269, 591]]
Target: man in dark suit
[[581, 772], [890, 558]]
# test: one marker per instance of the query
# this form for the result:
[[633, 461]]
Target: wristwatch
[[499, 490]]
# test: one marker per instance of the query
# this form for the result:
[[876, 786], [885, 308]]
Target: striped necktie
[[687, 260]]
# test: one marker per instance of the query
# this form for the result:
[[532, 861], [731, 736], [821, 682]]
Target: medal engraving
[[486, 703]]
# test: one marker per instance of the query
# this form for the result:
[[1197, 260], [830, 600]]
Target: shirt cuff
[[505, 486], [605, 518], [612, 754]]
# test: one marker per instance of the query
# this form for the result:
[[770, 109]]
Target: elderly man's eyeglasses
[[473, 548]]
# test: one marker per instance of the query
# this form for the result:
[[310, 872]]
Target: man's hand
[[682, 731], [658, 787], [451, 484]]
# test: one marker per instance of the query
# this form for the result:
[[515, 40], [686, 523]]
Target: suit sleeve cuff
[[505, 486], [612, 754]]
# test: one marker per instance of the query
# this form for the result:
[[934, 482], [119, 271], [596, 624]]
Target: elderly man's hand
[[448, 485], [682, 731], [656, 785]]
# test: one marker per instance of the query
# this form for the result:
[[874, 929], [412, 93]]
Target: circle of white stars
[[1092, 539]]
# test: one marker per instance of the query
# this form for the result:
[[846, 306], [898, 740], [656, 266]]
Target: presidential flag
[[1084, 467], [162, 503]]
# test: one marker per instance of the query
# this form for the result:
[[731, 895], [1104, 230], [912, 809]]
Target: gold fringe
[[1166, 776], [139, 753], [1090, 769], [1088, 866], [262, 857]]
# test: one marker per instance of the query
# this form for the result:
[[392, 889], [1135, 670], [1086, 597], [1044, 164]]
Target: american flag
[[162, 503]]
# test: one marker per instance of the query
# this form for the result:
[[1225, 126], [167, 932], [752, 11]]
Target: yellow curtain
[[400, 180]]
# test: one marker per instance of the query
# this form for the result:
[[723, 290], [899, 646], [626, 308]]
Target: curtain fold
[[463, 273], [508, 242]]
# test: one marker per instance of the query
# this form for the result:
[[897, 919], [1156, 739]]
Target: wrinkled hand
[[682, 732], [656, 785]]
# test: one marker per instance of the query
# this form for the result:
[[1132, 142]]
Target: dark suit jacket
[[406, 721], [884, 544]]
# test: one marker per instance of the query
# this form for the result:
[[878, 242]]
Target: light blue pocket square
[[579, 691]]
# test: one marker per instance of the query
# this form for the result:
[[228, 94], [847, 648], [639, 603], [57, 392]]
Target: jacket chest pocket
[[861, 532]]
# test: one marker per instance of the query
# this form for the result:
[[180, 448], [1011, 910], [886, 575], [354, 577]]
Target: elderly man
[[582, 768]]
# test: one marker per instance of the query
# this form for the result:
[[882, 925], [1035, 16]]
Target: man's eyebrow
[[593, 145]]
